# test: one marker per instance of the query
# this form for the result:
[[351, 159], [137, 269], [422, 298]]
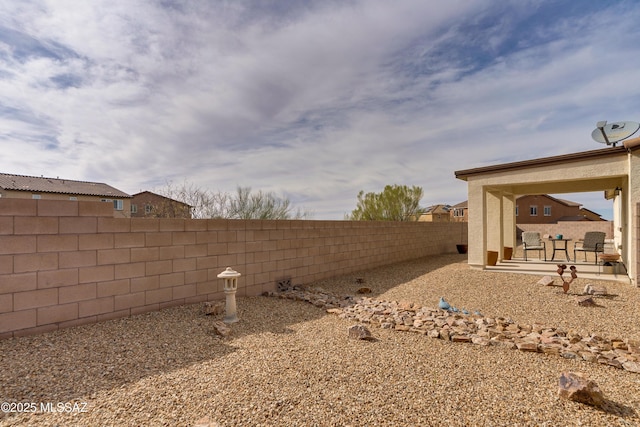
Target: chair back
[[593, 239], [531, 238]]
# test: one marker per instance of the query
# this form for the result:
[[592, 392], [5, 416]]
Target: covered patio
[[492, 192], [586, 270]]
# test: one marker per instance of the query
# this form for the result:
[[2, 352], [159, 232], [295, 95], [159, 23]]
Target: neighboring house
[[544, 209], [537, 209], [588, 215], [151, 205], [33, 187], [436, 213], [459, 212]]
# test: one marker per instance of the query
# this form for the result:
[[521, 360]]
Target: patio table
[[557, 247]]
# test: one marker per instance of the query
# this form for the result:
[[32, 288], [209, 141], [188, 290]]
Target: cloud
[[317, 100]]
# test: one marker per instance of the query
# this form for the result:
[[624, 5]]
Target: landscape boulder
[[546, 281], [586, 301], [221, 328], [213, 308], [359, 332], [578, 388], [595, 290]]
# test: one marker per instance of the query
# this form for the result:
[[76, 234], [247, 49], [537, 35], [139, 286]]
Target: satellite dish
[[613, 132]]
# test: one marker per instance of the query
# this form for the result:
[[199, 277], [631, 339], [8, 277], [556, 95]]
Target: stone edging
[[476, 329]]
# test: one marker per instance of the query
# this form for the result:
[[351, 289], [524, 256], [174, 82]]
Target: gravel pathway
[[290, 363]]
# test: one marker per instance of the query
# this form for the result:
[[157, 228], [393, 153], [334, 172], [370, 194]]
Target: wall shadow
[[387, 278], [76, 363]]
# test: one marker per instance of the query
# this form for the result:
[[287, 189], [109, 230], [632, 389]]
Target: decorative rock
[[434, 333], [590, 289], [480, 341], [450, 326], [631, 367], [619, 344], [527, 346], [633, 346], [221, 328], [551, 348], [579, 388], [213, 308], [359, 332], [588, 356], [585, 301], [546, 281], [364, 290], [569, 355]]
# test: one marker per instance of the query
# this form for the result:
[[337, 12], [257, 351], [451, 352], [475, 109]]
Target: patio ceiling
[[568, 186]]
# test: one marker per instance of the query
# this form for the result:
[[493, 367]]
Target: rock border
[[472, 328]]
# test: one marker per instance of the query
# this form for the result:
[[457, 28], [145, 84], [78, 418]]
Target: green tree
[[394, 203]]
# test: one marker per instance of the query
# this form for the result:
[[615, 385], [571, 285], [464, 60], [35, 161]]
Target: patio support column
[[476, 232], [509, 220], [631, 219], [494, 226]]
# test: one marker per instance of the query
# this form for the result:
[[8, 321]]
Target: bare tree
[[242, 205], [261, 205], [202, 203]]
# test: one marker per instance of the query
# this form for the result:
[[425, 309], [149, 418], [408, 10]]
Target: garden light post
[[230, 287]]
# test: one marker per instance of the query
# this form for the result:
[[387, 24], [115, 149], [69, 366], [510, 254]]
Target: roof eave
[[571, 157]]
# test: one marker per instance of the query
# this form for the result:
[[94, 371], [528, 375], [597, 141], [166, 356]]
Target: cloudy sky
[[314, 100]]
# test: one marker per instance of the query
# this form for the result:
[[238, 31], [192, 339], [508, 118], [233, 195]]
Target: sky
[[312, 100]]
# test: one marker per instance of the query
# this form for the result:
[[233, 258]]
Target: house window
[[118, 205], [73, 198], [458, 212], [148, 209], [517, 210], [533, 211], [134, 208], [36, 196], [547, 211]]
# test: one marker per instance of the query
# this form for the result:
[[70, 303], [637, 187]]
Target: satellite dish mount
[[613, 133]]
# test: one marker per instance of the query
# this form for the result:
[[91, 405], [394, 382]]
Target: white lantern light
[[230, 287]]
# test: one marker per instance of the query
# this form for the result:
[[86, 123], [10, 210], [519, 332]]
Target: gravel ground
[[289, 363]]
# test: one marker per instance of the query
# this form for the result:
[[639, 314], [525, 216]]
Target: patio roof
[[544, 161]]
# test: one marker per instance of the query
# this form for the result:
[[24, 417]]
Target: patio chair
[[531, 241], [593, 242]]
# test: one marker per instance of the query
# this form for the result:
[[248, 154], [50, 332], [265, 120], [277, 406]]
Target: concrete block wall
[[66, 263]]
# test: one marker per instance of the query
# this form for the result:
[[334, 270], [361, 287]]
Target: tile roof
[[437, 209], [561, 201], [57, 185]]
